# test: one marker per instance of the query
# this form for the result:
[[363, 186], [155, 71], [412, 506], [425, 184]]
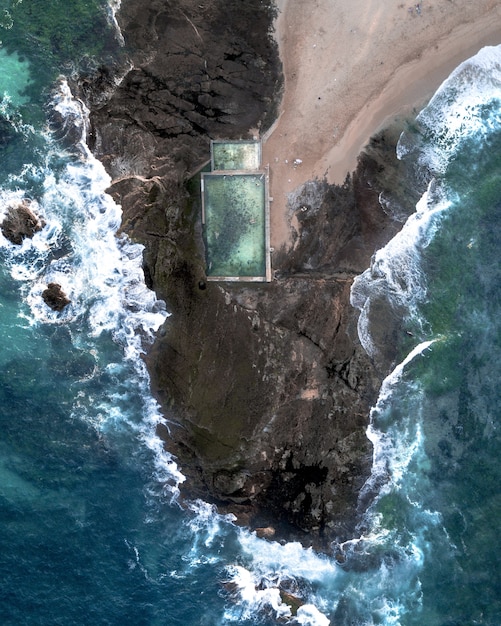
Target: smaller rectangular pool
[[235, 155]]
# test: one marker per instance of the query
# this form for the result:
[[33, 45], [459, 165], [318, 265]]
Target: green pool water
[[236, 155], [235, 225]]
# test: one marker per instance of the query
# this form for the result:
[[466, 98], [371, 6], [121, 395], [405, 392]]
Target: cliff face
[[266, 387]]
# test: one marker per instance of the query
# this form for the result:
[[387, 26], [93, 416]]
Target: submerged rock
[[54, 297], [20, 222]]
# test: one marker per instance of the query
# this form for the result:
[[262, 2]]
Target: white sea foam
[[395, 448], [167, 472], [396, 273], [271, 556], [459, 110], [207, 525], [399, 470], [309, 615], [114, 7], [254, 599], [394, 378], [272, 567], [100, 273], [72, 110], [262, 596], [264, 569]]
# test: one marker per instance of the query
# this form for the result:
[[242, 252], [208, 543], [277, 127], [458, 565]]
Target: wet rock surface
[[266, 387], [54, 297], [20, 222]]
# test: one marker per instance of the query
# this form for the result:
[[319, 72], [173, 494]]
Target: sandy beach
[[350, 68]]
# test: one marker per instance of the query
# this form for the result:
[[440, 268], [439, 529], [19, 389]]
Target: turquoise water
[[90, 529], [15, 78], [436, 426]]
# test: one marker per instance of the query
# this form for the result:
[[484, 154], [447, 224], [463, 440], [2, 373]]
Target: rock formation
[[266, 387], [269, 386], [200, 71], [20, 222], [54, 297]]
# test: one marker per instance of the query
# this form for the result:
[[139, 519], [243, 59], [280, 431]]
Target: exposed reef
[[266, 388]]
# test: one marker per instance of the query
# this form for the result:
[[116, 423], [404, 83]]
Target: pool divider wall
[[267, 227], [202, 192]]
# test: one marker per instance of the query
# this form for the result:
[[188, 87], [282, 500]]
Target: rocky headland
[[266, 388]]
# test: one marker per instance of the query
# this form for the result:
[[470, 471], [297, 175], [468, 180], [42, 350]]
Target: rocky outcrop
[[20, 222], [269, 385], [54, 297], [200, 71], [266, 388]]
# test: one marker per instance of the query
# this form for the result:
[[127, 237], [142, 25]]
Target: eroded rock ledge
[[266, 387]]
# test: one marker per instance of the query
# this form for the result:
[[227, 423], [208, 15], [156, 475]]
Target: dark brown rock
[[20, 222], [266, 387], [201, 71], [269, 385], [54, 297], [291, 600]]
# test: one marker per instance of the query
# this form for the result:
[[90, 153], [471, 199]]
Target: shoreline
[[246, 378], [343, 81]]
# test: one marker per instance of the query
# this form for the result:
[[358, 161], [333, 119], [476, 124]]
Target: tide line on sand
[[349, 70]]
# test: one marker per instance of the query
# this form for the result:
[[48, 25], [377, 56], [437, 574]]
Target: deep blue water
[[90, 529]]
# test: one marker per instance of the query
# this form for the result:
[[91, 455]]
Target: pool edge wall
[[267, 277]]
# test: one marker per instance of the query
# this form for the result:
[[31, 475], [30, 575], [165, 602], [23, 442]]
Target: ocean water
[[91, 532]]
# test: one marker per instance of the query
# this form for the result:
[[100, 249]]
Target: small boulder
[[20, 222], [293, 601], [54, 297], [266, 532]]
